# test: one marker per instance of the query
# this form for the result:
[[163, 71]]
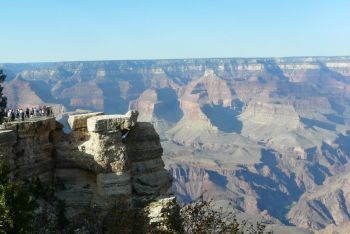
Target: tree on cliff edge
[[3, 99]]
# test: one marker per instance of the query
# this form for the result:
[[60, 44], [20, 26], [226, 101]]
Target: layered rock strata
[[28, 148], [104, 161]]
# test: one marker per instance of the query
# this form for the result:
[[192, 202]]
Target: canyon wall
[[105, 160], [263, 132]]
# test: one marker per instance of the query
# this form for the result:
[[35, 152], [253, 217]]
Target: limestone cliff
[[104, 160]]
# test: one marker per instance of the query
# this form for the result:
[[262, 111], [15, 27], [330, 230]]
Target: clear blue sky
[[61, 30]]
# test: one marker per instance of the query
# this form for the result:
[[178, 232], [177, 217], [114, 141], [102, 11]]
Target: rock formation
[[326, 205], [264, 132], [28, 148], [103, 161]]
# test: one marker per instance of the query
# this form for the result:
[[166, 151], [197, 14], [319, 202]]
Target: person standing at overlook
[[27, 112], [3, 99], [13, 115], [21, 112]]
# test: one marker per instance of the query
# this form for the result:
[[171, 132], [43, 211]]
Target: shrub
[[16, 205], [203, 217]]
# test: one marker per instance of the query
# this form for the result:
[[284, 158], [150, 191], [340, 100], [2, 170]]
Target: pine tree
[[3, 99]]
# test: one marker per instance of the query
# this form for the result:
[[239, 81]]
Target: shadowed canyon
[[272, 135]]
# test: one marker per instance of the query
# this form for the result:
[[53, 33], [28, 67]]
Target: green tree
[[16, 205], [203, 217], [3, 99]]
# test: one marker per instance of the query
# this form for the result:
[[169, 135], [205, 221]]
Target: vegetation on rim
[[16, 205], [19, 214]]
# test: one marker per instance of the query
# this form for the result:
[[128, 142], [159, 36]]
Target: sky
[[69, 30]]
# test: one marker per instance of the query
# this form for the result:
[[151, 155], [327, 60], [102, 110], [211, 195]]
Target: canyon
[[270, 135]]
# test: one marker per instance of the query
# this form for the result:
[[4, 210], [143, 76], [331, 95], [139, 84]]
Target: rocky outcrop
[[103, 161], [147, 168], [7, 141], [32, 149], [80, 121]]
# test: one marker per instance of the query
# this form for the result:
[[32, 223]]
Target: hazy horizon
[[169, 59]]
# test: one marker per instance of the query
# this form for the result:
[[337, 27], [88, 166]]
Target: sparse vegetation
[[123, 219], [197, 217], [16, 205], [202, 217]]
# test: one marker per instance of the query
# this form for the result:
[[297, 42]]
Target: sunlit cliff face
[[266, 133]]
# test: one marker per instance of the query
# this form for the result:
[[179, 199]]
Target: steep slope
[[327, 204], [266, 133], [19, 92], [91, 168]]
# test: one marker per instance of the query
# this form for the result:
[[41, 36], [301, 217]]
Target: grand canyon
[[269, 135]]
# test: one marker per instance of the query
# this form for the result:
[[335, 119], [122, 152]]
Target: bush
[[202, 217], [16, 205]]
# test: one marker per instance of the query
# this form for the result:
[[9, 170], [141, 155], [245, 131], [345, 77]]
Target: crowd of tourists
[[22, 114]]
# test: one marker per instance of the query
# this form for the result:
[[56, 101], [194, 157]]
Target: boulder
[[80, 120], [157, 209], [110, 123]]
